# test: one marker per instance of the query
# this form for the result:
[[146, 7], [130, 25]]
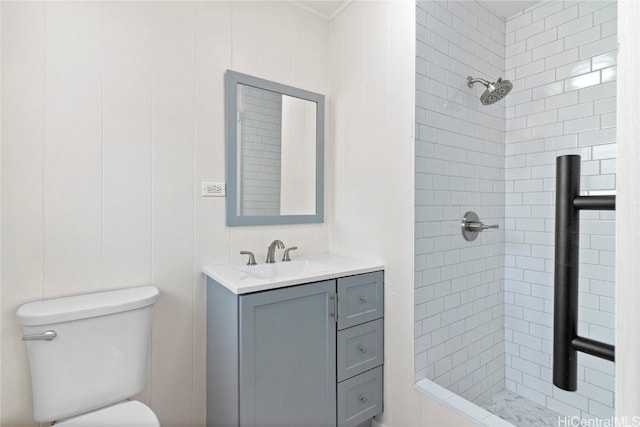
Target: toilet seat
[[129, 413]]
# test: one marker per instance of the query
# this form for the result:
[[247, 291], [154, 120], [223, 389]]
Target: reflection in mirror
[[275, 149], [276, 136]]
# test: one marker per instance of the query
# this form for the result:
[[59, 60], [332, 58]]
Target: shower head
[[495, 90]]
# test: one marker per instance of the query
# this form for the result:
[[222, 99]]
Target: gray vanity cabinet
[[282, 357], [287, 357]]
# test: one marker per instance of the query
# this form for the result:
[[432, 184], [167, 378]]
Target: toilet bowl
[[97, 345], [124, 414]]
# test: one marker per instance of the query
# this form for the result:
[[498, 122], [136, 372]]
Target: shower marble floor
[[520, 411]]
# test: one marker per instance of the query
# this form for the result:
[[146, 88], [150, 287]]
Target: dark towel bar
[[566, 342]]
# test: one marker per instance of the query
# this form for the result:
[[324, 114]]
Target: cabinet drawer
[[359, 349], [360, 299], [360, 398]]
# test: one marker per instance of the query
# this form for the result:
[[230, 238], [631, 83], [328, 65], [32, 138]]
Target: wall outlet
[[213, 189]]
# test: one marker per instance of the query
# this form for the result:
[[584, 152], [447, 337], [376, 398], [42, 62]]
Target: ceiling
[[326, 9], [507, 8], [502, 8]]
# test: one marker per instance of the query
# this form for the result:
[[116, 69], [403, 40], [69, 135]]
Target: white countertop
[[243, 279]]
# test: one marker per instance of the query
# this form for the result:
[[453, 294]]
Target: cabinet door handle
[[363, 299], [363, 398], [363, 349], [334, 299]]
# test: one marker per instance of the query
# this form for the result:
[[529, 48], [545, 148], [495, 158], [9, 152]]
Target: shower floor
[[520, 411]]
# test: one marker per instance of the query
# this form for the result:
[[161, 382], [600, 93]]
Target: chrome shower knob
[[471, 226]]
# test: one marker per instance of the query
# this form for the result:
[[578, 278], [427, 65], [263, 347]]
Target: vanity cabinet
[[287, 357], [302, 355]]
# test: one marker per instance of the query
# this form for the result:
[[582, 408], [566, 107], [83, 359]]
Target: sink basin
[[281, 270], [243, 279]]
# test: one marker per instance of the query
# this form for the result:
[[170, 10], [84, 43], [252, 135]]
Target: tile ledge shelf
[[468, 410]]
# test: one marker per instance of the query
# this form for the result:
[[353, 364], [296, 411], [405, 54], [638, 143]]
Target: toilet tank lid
[[87, 305]]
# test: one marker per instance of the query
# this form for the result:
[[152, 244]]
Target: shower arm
[[471, 81]]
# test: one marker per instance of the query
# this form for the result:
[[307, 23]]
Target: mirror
[[275, 152]]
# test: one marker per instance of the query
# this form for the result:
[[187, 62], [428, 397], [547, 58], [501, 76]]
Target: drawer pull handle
[[363, 299], [363, 349], [363, 398]]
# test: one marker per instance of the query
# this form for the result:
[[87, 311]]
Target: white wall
[[459, 335], [370, 167], [561, 58], [0, 212], [112, 116], [627, 205]]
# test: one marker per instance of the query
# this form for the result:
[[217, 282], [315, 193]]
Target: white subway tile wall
[[500, 161], [561, 57], [459, 334]]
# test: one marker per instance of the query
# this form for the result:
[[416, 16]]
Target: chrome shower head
[[495, 90]]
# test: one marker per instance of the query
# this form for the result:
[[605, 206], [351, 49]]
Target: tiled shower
[[484, 309], [459, 167]]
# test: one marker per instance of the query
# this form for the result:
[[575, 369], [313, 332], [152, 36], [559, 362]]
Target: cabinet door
[[287, 357]]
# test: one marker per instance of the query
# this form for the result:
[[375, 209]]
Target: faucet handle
[[286, 256], [252, 258]]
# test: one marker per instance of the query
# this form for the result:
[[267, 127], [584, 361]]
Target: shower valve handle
[[471, 226], [479, 226]]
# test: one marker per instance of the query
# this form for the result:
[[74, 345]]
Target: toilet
[[88, 355]]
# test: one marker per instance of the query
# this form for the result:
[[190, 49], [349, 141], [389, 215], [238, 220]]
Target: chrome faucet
[[271, 251]]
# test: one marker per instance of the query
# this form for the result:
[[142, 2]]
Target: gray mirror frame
[[232, 79]]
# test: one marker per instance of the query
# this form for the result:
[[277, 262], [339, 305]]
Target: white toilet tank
[[99, 355]]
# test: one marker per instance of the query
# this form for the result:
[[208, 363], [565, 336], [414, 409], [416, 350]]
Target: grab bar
[[566, 342]]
